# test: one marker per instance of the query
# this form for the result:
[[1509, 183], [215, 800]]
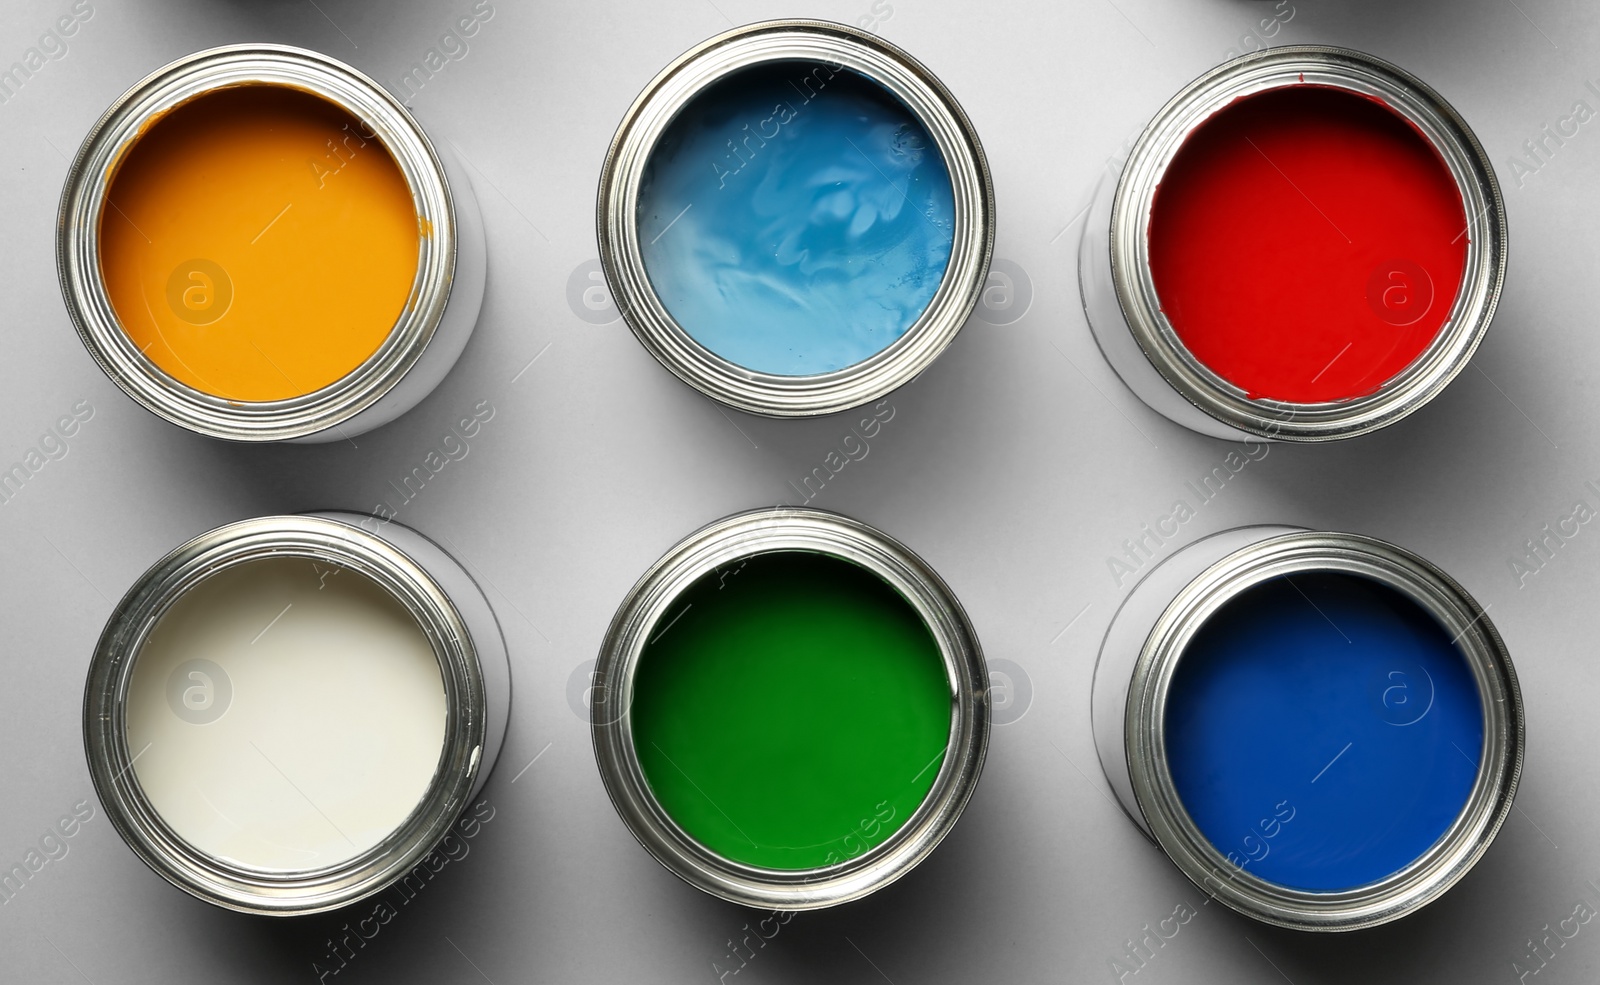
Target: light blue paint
[[795, 219], [1323, 731]]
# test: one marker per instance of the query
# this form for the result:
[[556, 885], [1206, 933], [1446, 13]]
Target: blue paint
[[795, 219], [1323, 750]]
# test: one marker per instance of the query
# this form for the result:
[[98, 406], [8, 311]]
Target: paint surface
[[795, 219], [791, 711], [1322, 730], [1307, 244], [257, 246], [286, 714]]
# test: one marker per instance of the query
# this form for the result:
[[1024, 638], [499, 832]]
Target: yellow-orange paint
[[258, 242]]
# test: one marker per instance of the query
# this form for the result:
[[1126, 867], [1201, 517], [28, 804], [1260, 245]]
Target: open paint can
[[1306, 243], [1321, 730], [795, 217], [795, 709], [287, 714], [259, 243]]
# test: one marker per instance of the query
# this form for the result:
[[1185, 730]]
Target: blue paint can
[[795, 217], [1322, 730]]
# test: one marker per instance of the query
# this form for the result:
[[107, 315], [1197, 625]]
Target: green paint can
[[797, 709]]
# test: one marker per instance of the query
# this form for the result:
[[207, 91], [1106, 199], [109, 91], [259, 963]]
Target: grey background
[[1015, 465]]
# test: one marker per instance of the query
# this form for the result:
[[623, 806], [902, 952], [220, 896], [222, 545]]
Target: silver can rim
[[837, 46], [1404, 94], [229, 884], [83, 200], [1457, 850], [766, 531]]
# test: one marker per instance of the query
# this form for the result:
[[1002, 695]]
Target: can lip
[[1432, 873], [229, 884], [1404, 94], [759, 532], [78, 241], [837, 45]]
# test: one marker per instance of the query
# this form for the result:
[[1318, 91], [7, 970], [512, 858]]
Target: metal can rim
[[1404, 94], [835, 45], [229, 884], [765, 531], [1430, 874], [78, 241]]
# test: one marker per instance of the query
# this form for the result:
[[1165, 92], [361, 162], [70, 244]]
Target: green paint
[[791, 711]]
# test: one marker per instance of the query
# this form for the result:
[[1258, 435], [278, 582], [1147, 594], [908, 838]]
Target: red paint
[[1307, 243]]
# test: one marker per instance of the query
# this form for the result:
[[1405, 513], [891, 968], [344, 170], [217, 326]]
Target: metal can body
[[731, 540], [1139, 341], [834, 46], [432, 588], [1133, 683], [424, 343]]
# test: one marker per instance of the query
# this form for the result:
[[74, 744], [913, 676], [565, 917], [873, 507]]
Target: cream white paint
[[331, 724]]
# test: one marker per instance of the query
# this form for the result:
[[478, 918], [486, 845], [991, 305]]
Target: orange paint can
[[259, 243]]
